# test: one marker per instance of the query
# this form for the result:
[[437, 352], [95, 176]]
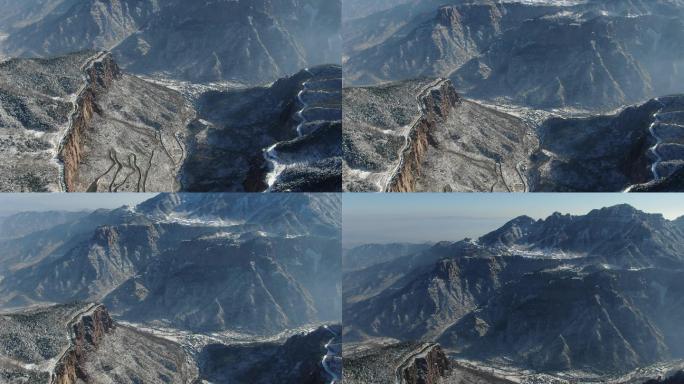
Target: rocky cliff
[[87, 332], [102, 351], [403, 363], [420, 135], [429, 367], [100, 72], [527, 53], [436, 105]]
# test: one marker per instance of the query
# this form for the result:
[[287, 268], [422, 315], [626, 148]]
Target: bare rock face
[[127, 134], [98, 129], [433, 140], [88, 331], [80, 343]]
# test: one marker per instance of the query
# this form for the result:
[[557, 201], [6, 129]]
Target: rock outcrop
[[403, 363], [436, 104], [87, 333], [429, 367], [100, 73]]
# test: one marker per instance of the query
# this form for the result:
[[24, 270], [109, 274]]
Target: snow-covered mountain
[[255, 263], [597, 293]]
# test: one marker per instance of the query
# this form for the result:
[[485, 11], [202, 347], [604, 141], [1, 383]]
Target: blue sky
[[21, 202], [420, 217]]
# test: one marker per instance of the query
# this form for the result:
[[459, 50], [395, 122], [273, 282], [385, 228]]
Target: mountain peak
[[620, 210]]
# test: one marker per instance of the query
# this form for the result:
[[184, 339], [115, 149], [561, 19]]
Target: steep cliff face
[[421, 135], [87, 332], [437, 104], [400, 363], [427, 368], [100, 73]]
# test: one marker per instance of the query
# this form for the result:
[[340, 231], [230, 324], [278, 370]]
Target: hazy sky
[[420, 217], [21, 202]]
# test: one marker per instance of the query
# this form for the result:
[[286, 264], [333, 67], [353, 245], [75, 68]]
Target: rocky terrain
[[79, 123], [542, 96], [427, 142], [541, 293], [154, 99], [79, 343], [268, 39], [397, 363], [408, 363], [636, 149]]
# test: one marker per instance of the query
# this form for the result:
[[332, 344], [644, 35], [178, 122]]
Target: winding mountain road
[[270, 154], [654, 148], [659, 141], [330, 355]]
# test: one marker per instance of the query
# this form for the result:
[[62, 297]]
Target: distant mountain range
[[592, 293], [202, 262], [595, 55], [250, 42]]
